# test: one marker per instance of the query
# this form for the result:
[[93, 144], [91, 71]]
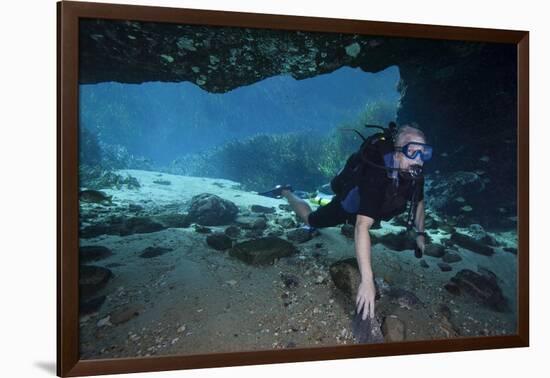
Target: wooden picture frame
[[69, 15]]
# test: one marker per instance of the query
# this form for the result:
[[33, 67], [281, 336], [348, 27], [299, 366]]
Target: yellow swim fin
[[321, 199]]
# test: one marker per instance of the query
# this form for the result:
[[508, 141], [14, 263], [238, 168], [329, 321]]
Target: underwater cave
[[461, 94]]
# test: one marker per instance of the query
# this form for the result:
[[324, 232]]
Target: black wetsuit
[[374, 195]]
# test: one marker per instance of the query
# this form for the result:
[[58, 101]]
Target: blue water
[[161, 121]]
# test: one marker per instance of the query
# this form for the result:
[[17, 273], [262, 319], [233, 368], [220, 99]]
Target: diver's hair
[[405, 131]]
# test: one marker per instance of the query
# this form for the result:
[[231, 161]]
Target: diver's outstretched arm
[[366, 291]]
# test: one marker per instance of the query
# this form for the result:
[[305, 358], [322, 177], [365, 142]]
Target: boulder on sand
[[92, 279], [219, 241], [483, 288], [210, 210], [346, 276], [471, 244], [262, 251]]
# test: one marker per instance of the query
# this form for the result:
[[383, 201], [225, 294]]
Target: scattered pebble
[[106, 321]]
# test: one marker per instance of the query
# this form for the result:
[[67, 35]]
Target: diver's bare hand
[[365, 298]]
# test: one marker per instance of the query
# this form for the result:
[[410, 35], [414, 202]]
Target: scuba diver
[[376, 183]]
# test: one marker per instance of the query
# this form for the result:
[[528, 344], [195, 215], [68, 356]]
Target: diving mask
[[413, 149]]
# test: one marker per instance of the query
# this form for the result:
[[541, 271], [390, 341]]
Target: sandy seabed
[[195, 299]]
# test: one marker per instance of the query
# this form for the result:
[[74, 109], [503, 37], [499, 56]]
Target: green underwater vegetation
[[98, 162], [258, 162], [342, 141], [305, 159]]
